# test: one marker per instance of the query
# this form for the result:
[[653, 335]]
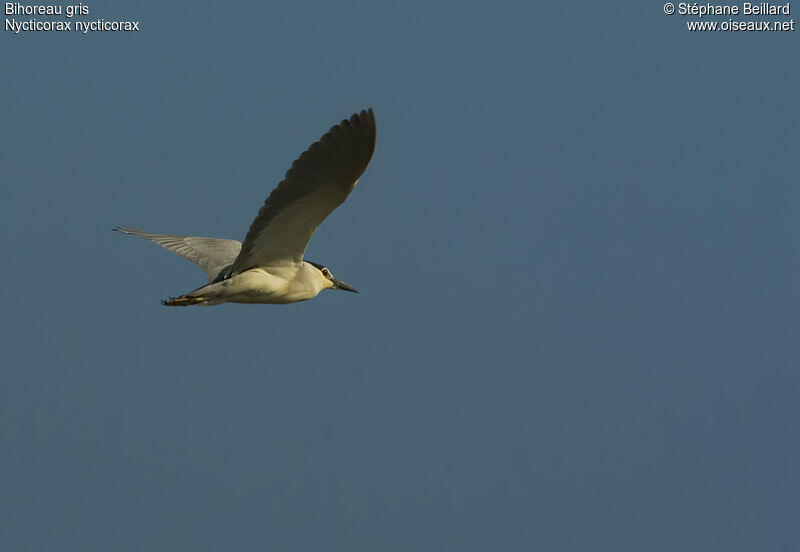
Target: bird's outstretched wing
[[318, 182], [210, 254]]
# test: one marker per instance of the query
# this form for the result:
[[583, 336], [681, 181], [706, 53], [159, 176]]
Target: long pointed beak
[[338, 284]]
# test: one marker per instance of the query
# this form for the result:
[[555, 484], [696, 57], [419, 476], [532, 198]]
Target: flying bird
[[268, 267]]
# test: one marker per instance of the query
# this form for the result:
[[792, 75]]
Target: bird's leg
[[183, 301]]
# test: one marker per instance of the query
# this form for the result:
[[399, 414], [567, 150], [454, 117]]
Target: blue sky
[[576, 250]]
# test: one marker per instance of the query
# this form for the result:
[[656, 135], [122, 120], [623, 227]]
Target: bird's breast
[[270, 285]]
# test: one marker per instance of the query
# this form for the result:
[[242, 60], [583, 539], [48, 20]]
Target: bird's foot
[[183, 301]]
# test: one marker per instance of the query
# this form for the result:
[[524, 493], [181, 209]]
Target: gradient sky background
[[576, 248]]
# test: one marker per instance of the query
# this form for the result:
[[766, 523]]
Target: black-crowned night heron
[[268, 267]]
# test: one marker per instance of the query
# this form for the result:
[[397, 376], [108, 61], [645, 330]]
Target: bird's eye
[[325, 272]]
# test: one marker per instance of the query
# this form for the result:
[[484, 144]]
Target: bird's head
[[329, 282]]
